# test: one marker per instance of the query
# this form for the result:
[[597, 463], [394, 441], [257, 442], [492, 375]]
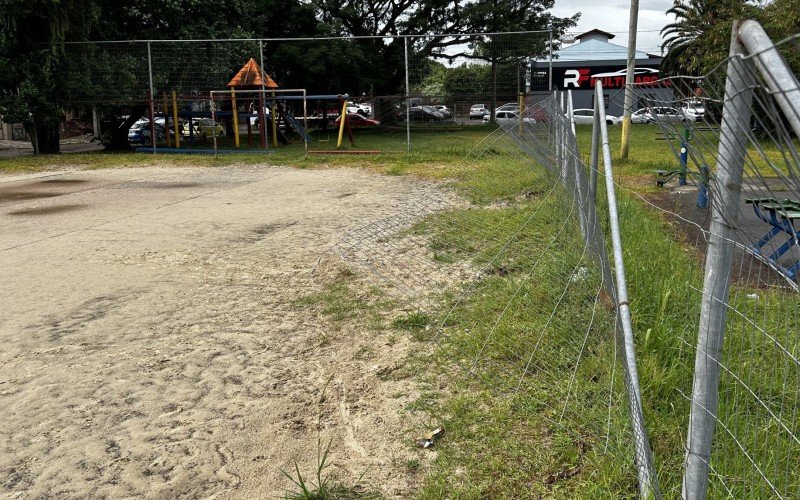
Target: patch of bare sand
[[154, 346]]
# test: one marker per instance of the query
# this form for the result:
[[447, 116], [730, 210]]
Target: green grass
[[506, 437]]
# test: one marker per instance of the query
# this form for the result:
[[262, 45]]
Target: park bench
[[782, 216]]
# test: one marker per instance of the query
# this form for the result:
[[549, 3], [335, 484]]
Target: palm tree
[[699, 37]]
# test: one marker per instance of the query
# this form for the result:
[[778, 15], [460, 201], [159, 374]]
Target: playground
[[166, 318]]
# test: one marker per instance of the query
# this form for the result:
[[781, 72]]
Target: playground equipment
[[251, 95], [782, 216], [682, 172]]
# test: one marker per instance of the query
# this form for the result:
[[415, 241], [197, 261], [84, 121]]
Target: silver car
[[504, 117], [666, 114], [586, 117]]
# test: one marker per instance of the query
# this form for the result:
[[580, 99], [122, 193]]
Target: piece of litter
[[753, 296], [430, 438]]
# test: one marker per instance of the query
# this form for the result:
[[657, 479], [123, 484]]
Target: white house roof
[[594, 50]]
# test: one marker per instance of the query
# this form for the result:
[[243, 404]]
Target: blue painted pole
[[702, 193], [684, 156]]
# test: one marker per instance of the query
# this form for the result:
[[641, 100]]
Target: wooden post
[[262, 127], [342, 119], [175, 119], [235, 111]]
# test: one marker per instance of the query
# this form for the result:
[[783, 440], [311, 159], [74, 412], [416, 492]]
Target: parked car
[[358, 120], [139, 133], [424, 114], [168, 123], [586, 117], [668, 114], [478, 111], [204, 128], [694, 107], [444, 110], [505, 117], [641, 116], [365, 107], [362, 109], [509, 106]]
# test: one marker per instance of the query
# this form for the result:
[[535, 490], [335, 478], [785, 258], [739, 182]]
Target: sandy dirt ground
[[153, 346]]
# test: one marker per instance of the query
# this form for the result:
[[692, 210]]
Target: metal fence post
[[777, 74], [595, 153], [261, 101], [408, 97], [550, 63], [150, 98], [648, 484], [719, 256]]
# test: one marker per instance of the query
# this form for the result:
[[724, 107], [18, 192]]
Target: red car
[[357, 120]]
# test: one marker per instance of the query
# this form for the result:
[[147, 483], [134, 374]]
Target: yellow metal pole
[[235, 117], [342, 118], [175, 119], [165, 105]]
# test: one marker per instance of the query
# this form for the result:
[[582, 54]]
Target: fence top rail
[[311, 38]]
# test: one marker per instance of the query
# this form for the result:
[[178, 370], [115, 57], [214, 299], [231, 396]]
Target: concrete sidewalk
[[15, 149]]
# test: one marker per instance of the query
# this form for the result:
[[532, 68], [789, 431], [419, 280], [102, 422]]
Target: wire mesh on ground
[[397, 87]]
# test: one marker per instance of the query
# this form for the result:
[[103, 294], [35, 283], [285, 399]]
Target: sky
[[613, 15]]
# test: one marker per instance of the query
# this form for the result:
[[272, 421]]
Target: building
[[579, 66]]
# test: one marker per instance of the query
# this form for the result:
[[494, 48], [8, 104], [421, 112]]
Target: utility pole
[[626, 117]]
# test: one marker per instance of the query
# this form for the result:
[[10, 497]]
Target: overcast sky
[[612, 16]]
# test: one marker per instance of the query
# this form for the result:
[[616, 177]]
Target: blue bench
[[782, 216]]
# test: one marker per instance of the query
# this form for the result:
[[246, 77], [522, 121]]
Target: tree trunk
[[46, 138], [118, 137]]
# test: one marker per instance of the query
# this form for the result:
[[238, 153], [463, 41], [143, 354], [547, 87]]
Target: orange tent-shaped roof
[[251, 75]]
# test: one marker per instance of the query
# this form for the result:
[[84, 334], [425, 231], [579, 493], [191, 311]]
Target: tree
[[32, 33], [699, 38], [408, 17], [497, 16]]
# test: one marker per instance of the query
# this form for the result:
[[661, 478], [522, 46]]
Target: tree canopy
[[37, 78], [699, 37]]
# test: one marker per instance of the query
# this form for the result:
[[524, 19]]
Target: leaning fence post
[[648, 484], [595, 153], [727, 183]]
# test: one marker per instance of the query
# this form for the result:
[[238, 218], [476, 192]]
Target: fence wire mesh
[[523, 288], [397, 88], [468, 251], [511, 265], [754, 423]]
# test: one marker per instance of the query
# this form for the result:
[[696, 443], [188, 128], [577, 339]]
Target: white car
[[694, 107], [478, 111], [641, 116], [666, 114], [586, 117], [444, 110], [504, 117], [509, 106]]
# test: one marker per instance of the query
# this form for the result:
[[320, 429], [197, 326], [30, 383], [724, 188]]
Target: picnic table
[[782, 216]]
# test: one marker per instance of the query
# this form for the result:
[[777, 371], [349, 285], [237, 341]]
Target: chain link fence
[[524, 298], [393, 89]]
